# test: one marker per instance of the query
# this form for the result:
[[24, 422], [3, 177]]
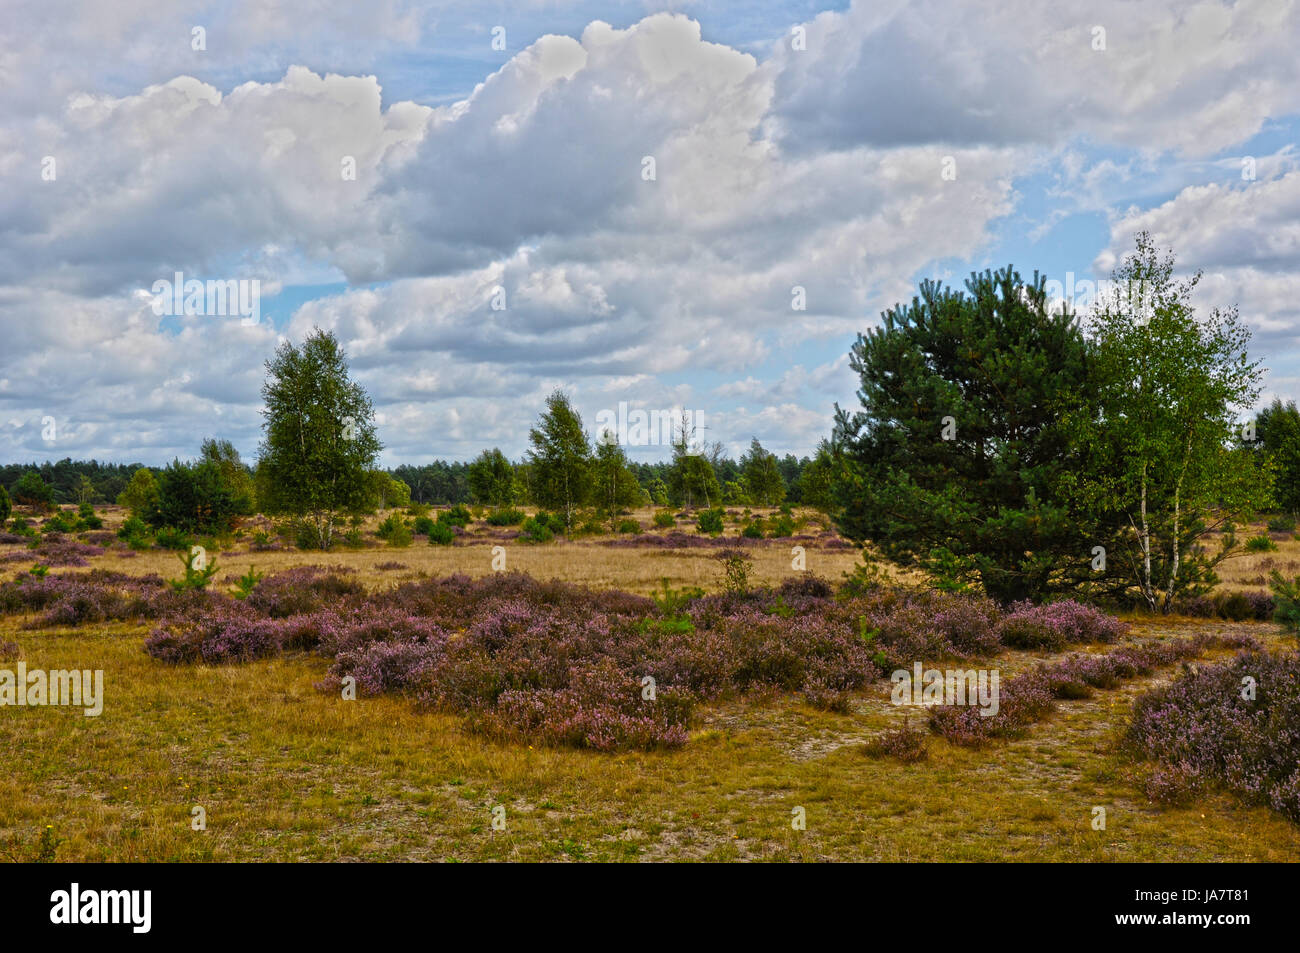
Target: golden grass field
[[288, 773]]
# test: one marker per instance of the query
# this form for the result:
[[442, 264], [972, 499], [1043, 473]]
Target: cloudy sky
[[641, 185]]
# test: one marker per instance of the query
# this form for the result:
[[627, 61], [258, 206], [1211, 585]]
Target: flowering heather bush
[[386, 666], [72, 599], [226, 632], [907, 744], [59, 552], [1056, 625], [557, 663], [305, 589], [10, 652], [1202, 731], [601, 707], [1029, 696], [928, 625]]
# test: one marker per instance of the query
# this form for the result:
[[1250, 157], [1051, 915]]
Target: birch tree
[[1168, 465], [319, 444]]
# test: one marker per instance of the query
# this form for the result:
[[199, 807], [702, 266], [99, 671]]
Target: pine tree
[[955, 462], [492, 478], [761, 476], [616, 487]]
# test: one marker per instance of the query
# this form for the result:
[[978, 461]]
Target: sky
[[690, 205]]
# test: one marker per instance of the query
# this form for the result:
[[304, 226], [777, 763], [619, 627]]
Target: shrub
[[60, 522], [389, 525], [400, 535], [663, 519], [6, 507], [1030, 696], [1260, 544], [246, 583], [30, 490], [710, 522], [906, 744], [1057, 624], [753, 530], [736, 567], [197, 575], [458, 515], [536, 531], [1202, 732], [305, 589], [198, 498], [628, 526], [1234, 606], [1286, 594], [1283, 523], [780, 527], [441, 534], [168, 537], [506, 516], [423, 524], [133, 528]]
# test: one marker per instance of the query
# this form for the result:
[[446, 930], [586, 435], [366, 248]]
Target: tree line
[[317, 465], [1003, 443]]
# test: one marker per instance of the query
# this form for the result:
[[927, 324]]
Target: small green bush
[[458, 515], [1260, 544], [246, 583], [628, 526], [169, 537], [194, 578], [1286, 595], [1283, 523], [423, 525], [133, 528], [441, 534], [710, 521], [664, 520], [780, 527], [506, 516], [753, 530], [394, 531], [60, 522], [537, 530]]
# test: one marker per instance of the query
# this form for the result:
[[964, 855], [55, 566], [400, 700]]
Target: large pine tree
[[955, 461]]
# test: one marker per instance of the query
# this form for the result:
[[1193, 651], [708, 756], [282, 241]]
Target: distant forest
[[440, 482]]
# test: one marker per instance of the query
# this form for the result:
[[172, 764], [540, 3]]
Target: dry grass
[[590, 561], [286, 772]]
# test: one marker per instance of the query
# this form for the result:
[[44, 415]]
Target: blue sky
[[796, 144]]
